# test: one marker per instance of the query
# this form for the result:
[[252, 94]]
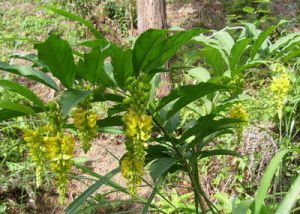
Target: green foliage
[[125, 78]]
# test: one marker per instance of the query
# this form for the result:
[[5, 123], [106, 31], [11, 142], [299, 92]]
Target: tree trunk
[[152, 14]]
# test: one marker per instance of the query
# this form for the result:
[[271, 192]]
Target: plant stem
[[186, 164]]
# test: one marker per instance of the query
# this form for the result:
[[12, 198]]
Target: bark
[[152, 14]]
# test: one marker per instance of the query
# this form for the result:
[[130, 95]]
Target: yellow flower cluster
[[280, 87], [237, 84], [60, 150], [50, 145], [238, 111], [137, 127], [85, 120], [37, 151]]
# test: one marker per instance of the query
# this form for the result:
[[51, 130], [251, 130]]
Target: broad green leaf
[[187, 94], [27, 71], [153, 48], [237, 51], [160, 166], [225, 40], [200, 74], [146, 43], [252, 64], [75, 18], [56, 53], [249, 9], [252, 29], [6, 114], [100, 43], [16, 107], [157, 151], [80, 200], [242, 207], [170, 124], [214, 59], [283, 41], [292, 46], [290, 199], [94, 66], [108, 97], [110, 121], [208, 153], [169, 47], [123, 68], [266, 180], [17, 88], [262, 37], [71, 98], [291, 55], [213, 43]]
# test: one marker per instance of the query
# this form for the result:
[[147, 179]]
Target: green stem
[[190, 174]]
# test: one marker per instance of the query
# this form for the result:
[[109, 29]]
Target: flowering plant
[[127, 79]]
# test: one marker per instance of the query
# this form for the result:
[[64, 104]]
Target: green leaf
[[110, 121], [266, 180], [100, 43], [292, 55], [123, 68], [73, 207], [262, 37], [242, 207], [6, 114], [160, 166], [157, 151], [27, 71], [187, 94], [208, 153], [283, 42], [249, 9], [71, 98], [144, 44], [75, 18], [236, 53], [200, 74], [169, 123], [108, 97], [290, 199], [57, 54], [153, 48], [110, 130], [214, 59], [16, 107], [225, 40], [17, 88], [95, 66]]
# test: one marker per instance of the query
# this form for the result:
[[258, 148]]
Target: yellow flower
[[280, 87], [85, 120], [238, 111], [137, 127]]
